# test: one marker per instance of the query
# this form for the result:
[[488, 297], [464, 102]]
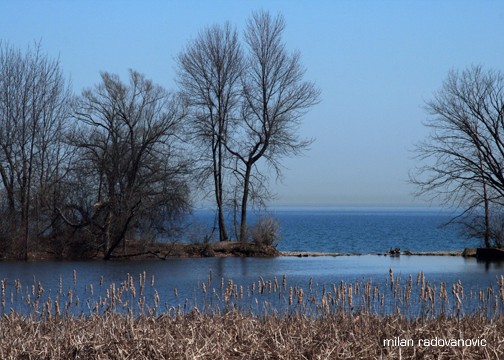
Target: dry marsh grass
[[235, 335], [268, 319]]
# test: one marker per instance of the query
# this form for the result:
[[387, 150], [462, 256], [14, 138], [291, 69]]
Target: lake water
[[341, 231], [359, 230]]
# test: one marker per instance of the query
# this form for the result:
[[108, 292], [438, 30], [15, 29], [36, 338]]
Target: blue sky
[[376, 63]]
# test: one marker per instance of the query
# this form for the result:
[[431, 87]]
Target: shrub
[[265, 232]]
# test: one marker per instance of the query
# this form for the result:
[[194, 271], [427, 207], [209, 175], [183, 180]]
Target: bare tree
[[34, 107], [128, 158], [209, 73], [465, 149], [274, 99]]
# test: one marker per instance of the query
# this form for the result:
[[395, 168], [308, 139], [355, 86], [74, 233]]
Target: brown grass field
[[401, 320]]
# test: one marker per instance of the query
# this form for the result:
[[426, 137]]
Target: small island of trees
[[83, 175]]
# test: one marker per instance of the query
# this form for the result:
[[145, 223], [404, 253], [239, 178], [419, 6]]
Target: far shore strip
[[411, 253]]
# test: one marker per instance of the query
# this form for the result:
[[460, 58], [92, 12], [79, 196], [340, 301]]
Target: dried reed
[[259, 320]]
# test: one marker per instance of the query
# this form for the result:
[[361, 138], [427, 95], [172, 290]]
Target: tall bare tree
[[465, 149], [127, 141], [34, 107], [274, 99], [209, 78]]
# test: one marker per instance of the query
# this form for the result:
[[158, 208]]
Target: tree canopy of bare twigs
[[247, 107], [34, 108], [464, 152], [209, 73], [129, 161], [275, 97]]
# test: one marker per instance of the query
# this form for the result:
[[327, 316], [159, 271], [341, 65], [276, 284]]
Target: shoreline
[[163, 251], [405, 253]]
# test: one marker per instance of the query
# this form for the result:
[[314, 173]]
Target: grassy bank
[[398, 318]]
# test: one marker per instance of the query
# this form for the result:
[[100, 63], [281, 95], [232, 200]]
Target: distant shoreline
[[407, 253], [164, 251]]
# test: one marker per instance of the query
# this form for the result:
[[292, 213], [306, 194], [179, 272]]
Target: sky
[[375, 62]]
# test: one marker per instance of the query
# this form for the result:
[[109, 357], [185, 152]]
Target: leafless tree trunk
[[127, 143], [209, 73], [34, 107], [465, 150]]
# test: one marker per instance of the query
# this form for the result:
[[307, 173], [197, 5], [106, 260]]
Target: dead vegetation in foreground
[[359, 320], [235, 335]]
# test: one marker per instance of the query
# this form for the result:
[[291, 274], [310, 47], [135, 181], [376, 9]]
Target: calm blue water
[[94, 278], [351, 231], [359, 231]]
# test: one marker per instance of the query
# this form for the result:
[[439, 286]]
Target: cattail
[[376, 292], [443, 294], [57, 308], [310, 284], [113, 293], [3, 292], [459, 302], [132, 287], [290, 296], [75, 278], [460, 289], [141, 282], [489, 293], [48, 306], [229, 288], [284, 282], [300, 296], [501, 288], [96, 309], [328, 296], [156, 299], [40, 290], [70, 296]]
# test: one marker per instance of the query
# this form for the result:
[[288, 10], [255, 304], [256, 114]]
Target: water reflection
[[183, 271], [187, 275], [494, 265]]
